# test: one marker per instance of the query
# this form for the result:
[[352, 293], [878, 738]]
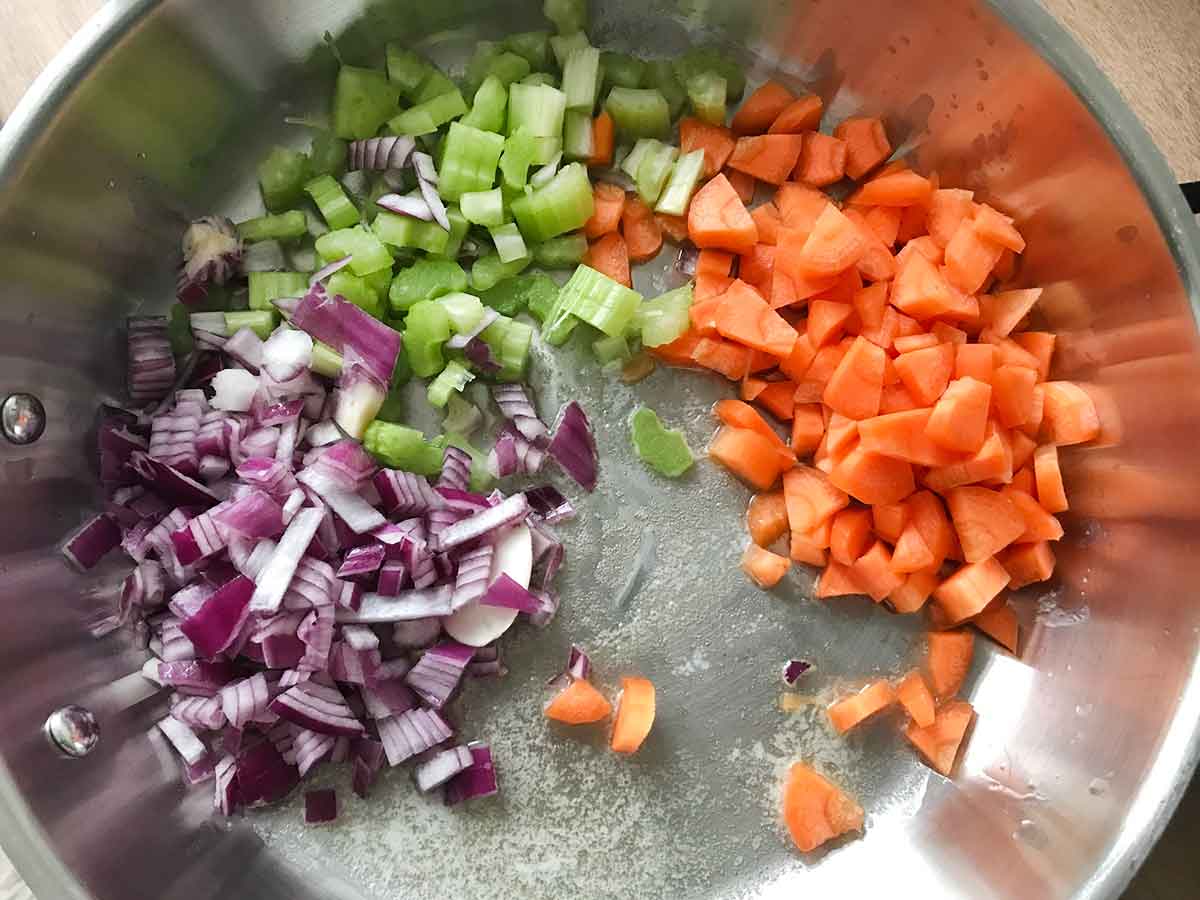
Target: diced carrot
[[974, 361], [939, 742], [751, 388], [766, 569], [826, 321], [999, 622], [1008, 351], [787, 287], [766, 218], [896, 189], [1068, 414], [578, 704], [913, 694], [949, 660], [970, 258], [849, 711], [960, 417], [1001, 313], [912, 224], [808, 427], [822, 160], [715, 140], [926, 373], [866, 145], [1012, 394], [744, 184], [730, 359], [714, 262], [778, 398], [798, 361], [603, 138], [608, 202], [756, 267], [922, 246], [679, 351], [800, 206], [948, 208], [910, 342], [876, 262], [969, 590], [837, 581], [906, 326], [842, 434], [709, 286], [912, 554], [675, 227], [718, 218], [737, 414], [843, 288], [870, 303], [768, 157], [856, 385], [850, 535], [985, 520], [1039, 345], [1006, 268], [811, 498], [873, 571], [901, 435], [762, 108], [751, 456], [610, 256], [703, 314], [912, 594], [926, 512], [802, 114], [747, 318], [642, 233], [889, 519], [871, 478], [1027, 563], [766, 518], [816, 810], [998, 228], [803, 549], [635, 715], [1051, 493], [992, 462], [922, 292], [948, 334], [821, 535], [1023, 478], [885, 222], [896, 398]]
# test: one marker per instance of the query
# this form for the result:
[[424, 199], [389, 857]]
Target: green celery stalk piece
[[401, 447], [451, 380], [426, 329], [581, 76], [622, 70], [706, 59], [469, 160], [425, 279], [666, 317], [611, 349], [540, 78], [633, 160], [534, 46], [563, 205], [516, 158], [685, 176], [660, 75], [427, 117], [356, 289], [488, 271], [326, 361], [489, 107], [653, 172], [706, 91], [509, 341], [268, 286], [327, 154], [366, 251], [577, 135], [435, 85], [563, 252], [465, 310], [405, 231], [458, 231], [282, 176], [483, 207], [663, 449], [406, 69], [462, 417], [510, 246], [567, 15], [564, 44], [273, 227], [331, 200], [540, 109], [363, 99], [514, 295], [262, 322], [592, 297], [639, 113]]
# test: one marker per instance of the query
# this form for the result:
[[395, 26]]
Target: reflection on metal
[[73, 730], [22, 418]]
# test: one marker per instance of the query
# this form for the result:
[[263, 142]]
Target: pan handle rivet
[[22, 418], [73, 730]]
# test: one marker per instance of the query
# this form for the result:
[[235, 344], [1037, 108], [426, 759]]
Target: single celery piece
[[563, 205], [563, 252], [469, 159], [546, 173], [663, 449], [273, 227], [268, 286], [327, 154], [489, 106], [464, 310], [406, 69], [622, 70], [482, 480], [366, 251], [540, 78], [705, 59], [660, 75], [435, 85], [483, 207], [492, 59], [510, 246], [462, 416], [592, 297], [564, 45], [534, 46], [357, 290], [567, 15], [488, 271], [508, 67], [458, 231], [405, 231], [706, 92], [509, 341], [639, 113], [540, 109], [331, 200], [401, 447], [518, 153], [363, 99], [426, 279], [427, 117], [685, 175], [326, 361], [451, 380], [282, 176], [633, 159], [577, 135], [262, 322], [654, 170], [581, 79], [666, 317], [426, 329], [179, 330], [611, 349], [379, 282], [514, 295]]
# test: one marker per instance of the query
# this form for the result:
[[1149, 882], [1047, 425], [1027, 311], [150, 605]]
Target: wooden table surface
[[1146, 47]]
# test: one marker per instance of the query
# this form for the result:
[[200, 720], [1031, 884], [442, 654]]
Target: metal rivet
[[23, 418], [73, 730]]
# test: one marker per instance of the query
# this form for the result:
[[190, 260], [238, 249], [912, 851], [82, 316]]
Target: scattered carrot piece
[[822, 160], [913, 694], [716, 141], [749, 455], [866, 144], [986, 521], [1068, 414], [849, 711], [969, 590], [1027, 563], [802, 114], [764, 567], [603, 138], [717, 217], [635, 715], [608, 203], [577, 704], [643, 236], [745, 185], [610, 255], [939, 742], [1000, 624], [816, 810], [767, 518], [950, 654], [762, 108]]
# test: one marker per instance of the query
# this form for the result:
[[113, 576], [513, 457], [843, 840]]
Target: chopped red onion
[[214, 626], [456, 469], [548, 502], [169, 483], [474, 570], [317, 707], [392, 576], [415, 604], [579, 664], [245, 347], [479, 352], [287, 353], [327, 270], [416, 632], [388, 698], [427, 181], [277, 574], [356, 512], [183, 739], [151, 363], [439, 671], [460, 341], [362, 561], [414, 205], [687, 259], [357, 399], [311, 747], [212, 253], [793, 669], [320, 806], [199, 712], [235, 390], [441, 767], [548, 606], [380, 153], [574, 446], [245, 700], [360, 637], [263, 776], [342, 325], [508, 512], [410, 733], [213, 468], [368, 759], [477, 780], [405, 493], [507, 593], [515, 406], [92, 542], [253, 515]]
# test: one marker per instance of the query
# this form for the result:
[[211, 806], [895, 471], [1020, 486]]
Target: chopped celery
[[426, 279], [458, 230], [666, 317], [366, 251], [654, 170], [563, 205], [633, 159], [534, 46], [564, 44], [488, 108], [490, 270], [278, 227], [462, 416], [331, 200], [451, 380], [660, 75], [262, 322], [406, 69], [510, 246], [546, 173], [482, 480], [563, 252], [639, 113], [427, 117], [401, 447], [268, 286], [540, 109], [611, 349], [357, 290], [685, 175], [405, 231], [326, 361], [492, 59], [518, 153], [281, 176], [469, 158], [622, 70], [509, 341], [327, 154], [363, 99], [514, 295], [704, 59], [540, 78], [379, 282], [581, 78], [483, 207], [567, 15], [592, 297], [508, 67], [663, 449], [179, 330], [464, 310], [426, 328], [542, 299], [706, 91], [577, 135]]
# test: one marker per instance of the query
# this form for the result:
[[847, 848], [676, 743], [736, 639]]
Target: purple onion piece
[[413, 205], [574, 446], [793, 669]]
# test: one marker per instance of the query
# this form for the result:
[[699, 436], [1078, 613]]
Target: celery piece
[[666, 317], [534, 46], [465, 310], [540, 109], [508, 67], [262, 322], [356, 289], [490, 270], [327, 154], [179, 330], [331, 200], [593, 297], [546, 173], [435, 85], [685, 175], [564, 44], [483, 207], [706, 92], [426, 279], [510, 246], [581, 76], [660, 75], [563, 205], [366, 251], [363, 99], [514, 295], [540, 78], [639, 113], [563, 252], [379, 282], [406, 69], [509, 341], [458, 230], [451, 380], [482, 480], [427, 117], [516, 158], [405, 231], [490, 105], [469, 159], [326, 361], [401, 447], [611, 349], [268, 286], [281, 176], [577, 135], [633, 159], [706, 59], [542, 299], [567, 15], [663, 449], [426, 328], [622, 70], [278, 227], [492, 59], [462, 417], [654, 170]]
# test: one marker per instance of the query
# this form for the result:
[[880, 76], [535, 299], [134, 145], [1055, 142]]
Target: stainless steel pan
[[157, 111]]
